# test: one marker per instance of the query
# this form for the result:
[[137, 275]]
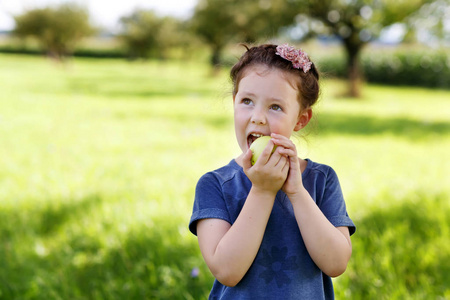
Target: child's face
[[266, 102]]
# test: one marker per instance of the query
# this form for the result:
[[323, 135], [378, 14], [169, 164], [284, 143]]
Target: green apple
[[258, 146]]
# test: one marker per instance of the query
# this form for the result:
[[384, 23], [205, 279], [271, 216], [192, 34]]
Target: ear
[[303, 118]]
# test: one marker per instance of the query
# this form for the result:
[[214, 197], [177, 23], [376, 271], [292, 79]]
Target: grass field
[[99, 161]]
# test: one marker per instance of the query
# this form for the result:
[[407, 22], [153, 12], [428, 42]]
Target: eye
[[246, 101], [276, 107]]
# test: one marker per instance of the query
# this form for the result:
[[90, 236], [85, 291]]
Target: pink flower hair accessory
[[298, 58]]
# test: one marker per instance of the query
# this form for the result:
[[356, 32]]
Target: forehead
[[274, 74], [263, 70]]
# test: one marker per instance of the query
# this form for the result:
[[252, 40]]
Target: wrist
[[300, 195], [262, 192]]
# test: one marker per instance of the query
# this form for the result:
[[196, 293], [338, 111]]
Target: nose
[[258, 118]]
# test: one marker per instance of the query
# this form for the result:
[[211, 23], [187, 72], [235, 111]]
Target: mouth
[[253, 137]]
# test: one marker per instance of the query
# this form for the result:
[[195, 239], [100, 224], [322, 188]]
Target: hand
[[270, 170], [293, 183]]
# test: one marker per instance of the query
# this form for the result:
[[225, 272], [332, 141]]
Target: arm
[[329, 247], [229, 250]]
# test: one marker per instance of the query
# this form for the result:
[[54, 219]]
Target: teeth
[[257, 135]]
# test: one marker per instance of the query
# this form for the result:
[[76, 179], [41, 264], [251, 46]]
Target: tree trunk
[[353, 50], [216, 59]]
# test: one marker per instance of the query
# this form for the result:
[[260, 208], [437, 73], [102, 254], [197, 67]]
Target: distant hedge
[[84, 52], [413, 67], [428, 68]]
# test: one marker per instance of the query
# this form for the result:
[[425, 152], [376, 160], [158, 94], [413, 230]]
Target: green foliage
[[139, 33], [213, 22], [145, 34], [57, 29], [100, 159], [355, 23], [218, 22]]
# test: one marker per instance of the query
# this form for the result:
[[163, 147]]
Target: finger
[[280, 140], [277, 156], [282, 167], [291, 157], [286, 169], [287, 152], [279, 137], [266, 153], [247, 160], [278, 159], [294, 162]]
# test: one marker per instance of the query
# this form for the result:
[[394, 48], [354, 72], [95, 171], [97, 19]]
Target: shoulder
[[213, 193], [315, 169], [321, 181], [221, 175]]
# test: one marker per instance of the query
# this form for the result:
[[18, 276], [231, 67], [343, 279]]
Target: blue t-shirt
[[282, 268]]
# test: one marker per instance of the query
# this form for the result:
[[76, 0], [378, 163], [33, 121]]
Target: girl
[[278, 229]]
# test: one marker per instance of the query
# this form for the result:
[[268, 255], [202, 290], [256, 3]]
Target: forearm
[[329, 248], [237, 249]]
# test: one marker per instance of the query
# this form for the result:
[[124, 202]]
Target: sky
[[104, 13]]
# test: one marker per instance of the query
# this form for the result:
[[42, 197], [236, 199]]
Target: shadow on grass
[[368, 125], [41, 220], [401, 251], [152, 261], [149, 263], [53, 216], [22, 255]]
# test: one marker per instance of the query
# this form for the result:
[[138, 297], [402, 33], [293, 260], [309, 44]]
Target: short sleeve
[[209, 201], [332, 203]]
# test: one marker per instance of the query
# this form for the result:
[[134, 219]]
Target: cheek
[[239, 123], [240, 116], [283, 126], [237, 118]]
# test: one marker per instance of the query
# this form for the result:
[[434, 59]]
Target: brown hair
[[307, 83]]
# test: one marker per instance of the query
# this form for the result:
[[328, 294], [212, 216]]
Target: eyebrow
[[244, 93], [250, 94]]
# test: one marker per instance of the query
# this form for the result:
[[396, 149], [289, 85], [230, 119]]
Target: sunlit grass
[[100, 159]]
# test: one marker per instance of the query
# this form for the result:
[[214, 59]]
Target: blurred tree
[[220, 21], [431, 23], [172, 34], [355, 22], [213, 21], [139, 33], [262, 19], [57, 29], [146, 34]]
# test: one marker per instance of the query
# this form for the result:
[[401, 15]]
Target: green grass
[[99, 161]]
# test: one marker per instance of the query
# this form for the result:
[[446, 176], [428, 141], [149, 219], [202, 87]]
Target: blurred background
[[110, 111]]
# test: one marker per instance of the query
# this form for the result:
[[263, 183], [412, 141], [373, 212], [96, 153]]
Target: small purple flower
[[195, 272]]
